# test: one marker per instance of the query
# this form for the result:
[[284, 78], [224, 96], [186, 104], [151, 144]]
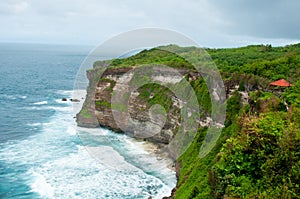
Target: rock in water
[[74, 100]]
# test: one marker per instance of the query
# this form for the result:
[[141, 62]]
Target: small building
[[281, 83]]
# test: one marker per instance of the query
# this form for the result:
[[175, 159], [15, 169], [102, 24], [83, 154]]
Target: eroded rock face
[[113, 101], [119, 107], [90, 122]]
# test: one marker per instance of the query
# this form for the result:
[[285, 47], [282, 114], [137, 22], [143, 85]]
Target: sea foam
[[61, 165], [40, 103]]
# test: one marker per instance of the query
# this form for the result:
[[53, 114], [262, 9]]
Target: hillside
[[258, 152]]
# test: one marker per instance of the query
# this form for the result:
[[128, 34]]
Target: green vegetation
[[255, 157], [112, 83], [119, 107], [152, 56], [261, 160], [265, 61], [260, 60], [102, 103], [292, 94], [116, 106], [258, 152], [200, 88], [85, 113], [156, 94]]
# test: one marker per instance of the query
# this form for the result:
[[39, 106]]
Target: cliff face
[[111, 103], [86, 117]]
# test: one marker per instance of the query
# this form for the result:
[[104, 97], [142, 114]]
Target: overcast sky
[[211, 23]]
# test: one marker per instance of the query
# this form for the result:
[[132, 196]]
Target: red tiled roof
[[281, 82]]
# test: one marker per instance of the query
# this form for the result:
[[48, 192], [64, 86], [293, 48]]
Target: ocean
[[43, 154]]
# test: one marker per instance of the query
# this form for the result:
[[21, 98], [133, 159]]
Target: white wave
[[60, 168], [62, 109], [12, 97], [77, 175], [35, 124], [71, 130], [144, 155], [65, 92], [93, 131], [70, 93], [40, 103], [56, 108], [41, 186], [79, 94], [109, 158], [58, 172]]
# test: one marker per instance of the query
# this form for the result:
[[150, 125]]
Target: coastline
[[151, 149], [154, 148], [158, 151]]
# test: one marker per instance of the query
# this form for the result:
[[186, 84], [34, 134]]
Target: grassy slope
[[228, 170]]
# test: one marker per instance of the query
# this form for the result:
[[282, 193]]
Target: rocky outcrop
[[86, 117], [87, 122], [117, 100], [114, 102]]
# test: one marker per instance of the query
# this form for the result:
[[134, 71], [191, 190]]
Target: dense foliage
[[258, 154], [262, 159], [261, 60], [152, 56]]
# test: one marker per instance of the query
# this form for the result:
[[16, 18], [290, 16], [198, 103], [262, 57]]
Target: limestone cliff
[[98, 109], [136, 103], [112, 102]]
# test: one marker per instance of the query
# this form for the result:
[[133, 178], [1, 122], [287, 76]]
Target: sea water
[[43, 154]]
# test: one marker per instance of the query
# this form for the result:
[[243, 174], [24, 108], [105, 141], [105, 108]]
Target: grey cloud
[[209, 22], [11, 7], [266, 19]]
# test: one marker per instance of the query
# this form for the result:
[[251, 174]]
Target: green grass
[[102, 103], [119, 107], [160, 95], [85, 113], [152, 56], [112, 83]]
